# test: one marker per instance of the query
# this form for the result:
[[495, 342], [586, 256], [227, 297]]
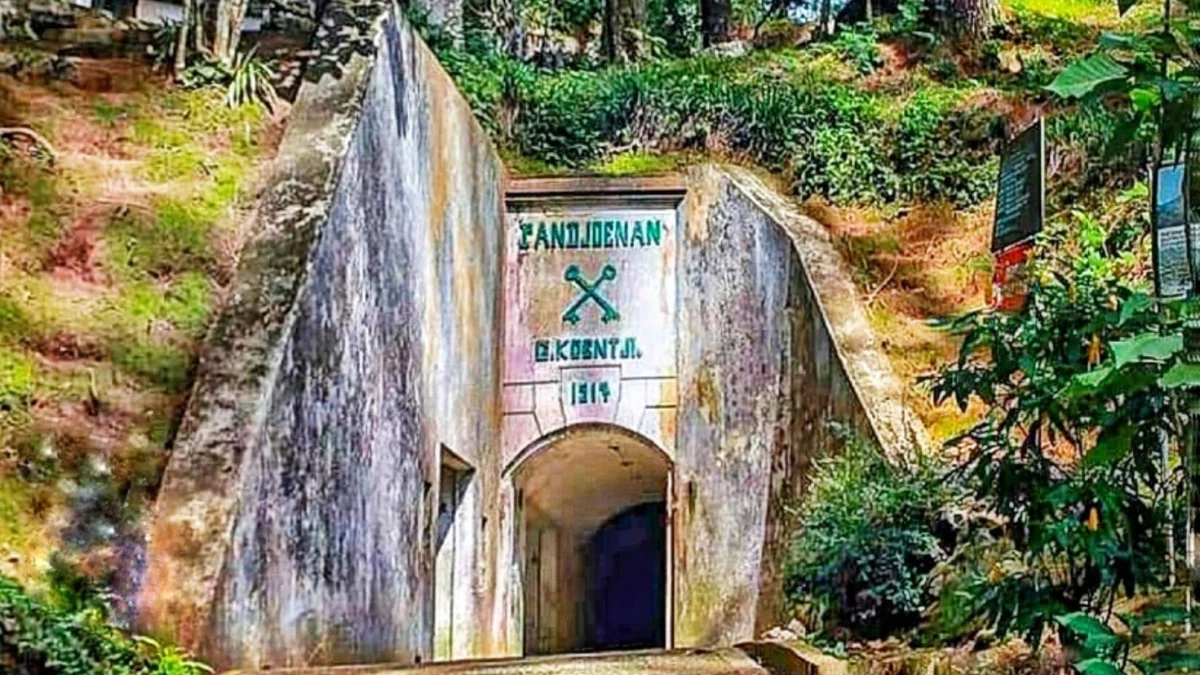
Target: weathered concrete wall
[[296, 517], [774, 344], [362, 352]]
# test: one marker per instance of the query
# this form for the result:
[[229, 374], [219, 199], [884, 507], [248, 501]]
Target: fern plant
[[251, 80]]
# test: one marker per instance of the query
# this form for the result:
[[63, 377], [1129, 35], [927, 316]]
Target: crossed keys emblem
[[591, 291]]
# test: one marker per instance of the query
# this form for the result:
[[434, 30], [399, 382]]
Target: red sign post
[[1010, 280]]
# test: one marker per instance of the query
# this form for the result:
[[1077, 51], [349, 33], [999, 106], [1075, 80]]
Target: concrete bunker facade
[[449, 415]]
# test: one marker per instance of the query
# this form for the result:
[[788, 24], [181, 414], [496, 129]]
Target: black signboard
[[1172, 273], [1021, 195]]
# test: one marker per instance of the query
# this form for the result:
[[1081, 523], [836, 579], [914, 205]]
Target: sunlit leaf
[[1098, 667], [1147, 346], [1136, 303], [1144, 99], [1181, 375], [1088, 75], [1084, 624]]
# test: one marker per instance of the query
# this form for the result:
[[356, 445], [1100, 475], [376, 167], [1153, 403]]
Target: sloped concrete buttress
[[294, 521]]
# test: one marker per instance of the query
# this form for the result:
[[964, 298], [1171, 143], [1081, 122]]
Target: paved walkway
[[682, 662]]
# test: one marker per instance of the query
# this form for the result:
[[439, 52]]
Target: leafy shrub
[[834, 139], [927, 149], [161, 49], [911, 18], [868, 538], [250, 80], [16, 379], [247, 80], [40, 635], [1068, 452], [860, 46]]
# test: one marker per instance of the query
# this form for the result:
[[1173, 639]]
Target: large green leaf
[[1177, 660], [1098, 638], [1088, 75], [1147, 346], [1084, 624], [1181, 375], [1138, 302], [1087, 384], [1098, 667], [1112, 447]]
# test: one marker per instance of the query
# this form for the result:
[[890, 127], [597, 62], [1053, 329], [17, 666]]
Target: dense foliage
[[61, 635], [829, 137], [873, 529], [1074, 471]]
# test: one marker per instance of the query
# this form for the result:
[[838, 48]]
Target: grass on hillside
[[895, 152], [111, 262]]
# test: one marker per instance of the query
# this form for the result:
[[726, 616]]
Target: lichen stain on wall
[[365, 337], [327, 557]]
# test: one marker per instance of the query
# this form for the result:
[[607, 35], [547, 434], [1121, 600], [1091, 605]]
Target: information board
[[1021, 189], [1172, 273]]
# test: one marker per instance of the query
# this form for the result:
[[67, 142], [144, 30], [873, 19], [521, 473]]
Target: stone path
[[682, 662]]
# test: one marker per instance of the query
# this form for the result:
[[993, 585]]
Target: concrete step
[[679, 662]]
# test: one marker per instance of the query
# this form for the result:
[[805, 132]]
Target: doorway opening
[[626, 580], [595, 541], [451, 539]]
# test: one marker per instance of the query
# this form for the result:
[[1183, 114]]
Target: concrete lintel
[[670, 183], [662, 190]]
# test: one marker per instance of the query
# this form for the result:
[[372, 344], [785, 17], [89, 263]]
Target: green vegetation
[[113, 256], [67, 631], [787, 111], [869, 541], [1074, 472]]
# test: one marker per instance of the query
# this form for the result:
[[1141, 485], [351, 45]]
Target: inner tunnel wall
[[295, 522]]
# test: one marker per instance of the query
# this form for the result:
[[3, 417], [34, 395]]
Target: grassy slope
[[111, 261], [919, 263], [932, 261]]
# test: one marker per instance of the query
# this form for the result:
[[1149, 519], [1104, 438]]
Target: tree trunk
[[826, 18], [199, 17], [227, 29], [625, 30], [181, 39], [970, 19], [714, 21]]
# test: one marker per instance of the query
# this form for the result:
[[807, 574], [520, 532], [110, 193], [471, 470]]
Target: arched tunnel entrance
[[595, 539]]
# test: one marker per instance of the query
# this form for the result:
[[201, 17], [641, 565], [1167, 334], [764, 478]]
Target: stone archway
[[594, 541]]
